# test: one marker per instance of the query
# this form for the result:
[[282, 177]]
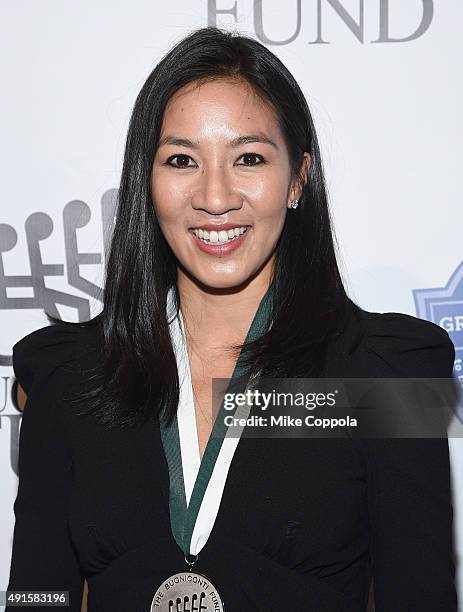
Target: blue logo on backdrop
[[444, 306]]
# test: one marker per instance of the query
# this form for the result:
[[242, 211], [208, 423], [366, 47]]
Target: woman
[[222, 263]]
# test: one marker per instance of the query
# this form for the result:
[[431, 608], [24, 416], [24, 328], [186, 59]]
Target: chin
[[216, 281]]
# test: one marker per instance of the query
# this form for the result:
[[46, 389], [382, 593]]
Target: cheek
[[270, 196], [270, 210], [166, 201], [170, 226], [270, 215], [166, 184]]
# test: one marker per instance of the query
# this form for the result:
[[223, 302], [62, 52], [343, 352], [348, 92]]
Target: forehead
[[219, 107]]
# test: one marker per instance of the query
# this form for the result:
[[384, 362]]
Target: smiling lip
[[220, 250], [217, 228]]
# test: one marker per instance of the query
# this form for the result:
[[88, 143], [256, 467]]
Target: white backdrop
[[381, 77]]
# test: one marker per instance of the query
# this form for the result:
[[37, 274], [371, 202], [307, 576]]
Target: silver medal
[[187, 592]]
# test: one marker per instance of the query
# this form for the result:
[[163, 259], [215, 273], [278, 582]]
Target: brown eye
[[250, 158], [182, 161]]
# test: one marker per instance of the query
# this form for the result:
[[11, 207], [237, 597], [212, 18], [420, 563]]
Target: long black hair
[[138, 375]]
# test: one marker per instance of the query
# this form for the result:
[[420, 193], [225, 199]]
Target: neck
[[217, 318]]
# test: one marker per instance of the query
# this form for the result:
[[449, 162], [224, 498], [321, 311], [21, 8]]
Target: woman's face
[[222, 161]]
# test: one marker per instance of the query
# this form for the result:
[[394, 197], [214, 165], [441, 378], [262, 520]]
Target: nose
[[215, 193]]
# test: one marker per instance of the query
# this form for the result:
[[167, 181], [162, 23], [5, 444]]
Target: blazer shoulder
[[58, 345], [405, 345]]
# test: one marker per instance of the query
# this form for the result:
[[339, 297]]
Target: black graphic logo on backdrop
[[38, 227]]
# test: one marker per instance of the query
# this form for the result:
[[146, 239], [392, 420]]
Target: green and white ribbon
[[196, 486]]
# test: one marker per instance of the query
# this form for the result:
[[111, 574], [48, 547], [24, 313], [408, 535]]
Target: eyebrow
[[236, 142]]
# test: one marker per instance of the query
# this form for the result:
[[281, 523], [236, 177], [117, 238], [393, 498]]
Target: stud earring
[[294, 203]]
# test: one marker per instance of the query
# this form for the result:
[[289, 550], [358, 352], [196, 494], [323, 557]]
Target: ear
[[300, 180]]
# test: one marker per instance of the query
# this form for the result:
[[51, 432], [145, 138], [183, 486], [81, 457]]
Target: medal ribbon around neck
[[196, 485]]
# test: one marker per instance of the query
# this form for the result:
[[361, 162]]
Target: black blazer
[[303, 524]]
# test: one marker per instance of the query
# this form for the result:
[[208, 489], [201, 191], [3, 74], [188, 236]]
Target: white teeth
[[221, 237]]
